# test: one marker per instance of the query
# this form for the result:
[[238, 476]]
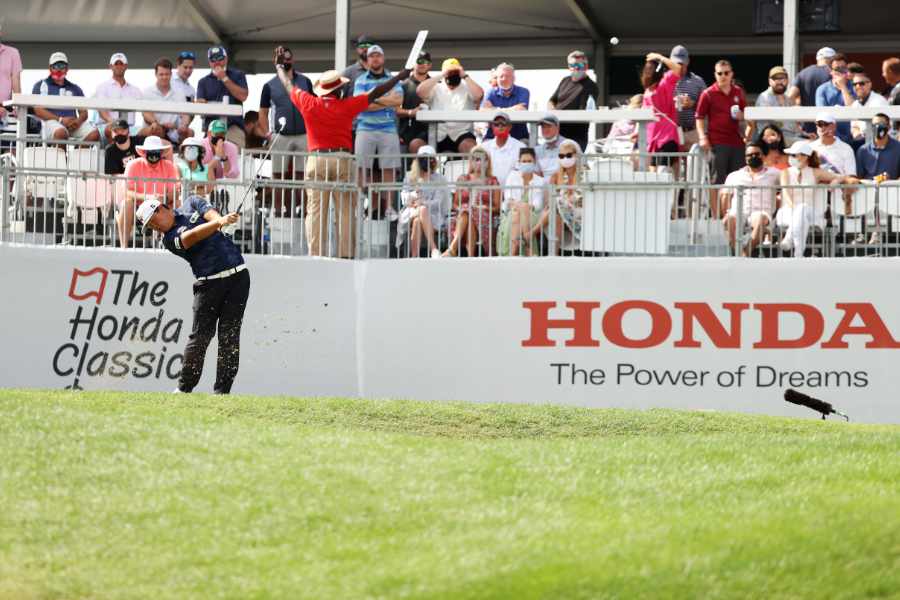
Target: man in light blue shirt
[[838, 92], [376, 128]]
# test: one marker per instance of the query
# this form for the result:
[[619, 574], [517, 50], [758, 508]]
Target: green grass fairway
[[109, 495]]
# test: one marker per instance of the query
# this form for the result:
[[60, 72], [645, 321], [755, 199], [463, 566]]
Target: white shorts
[[752, 217], [50, 127], [288, 143], [383, 144]]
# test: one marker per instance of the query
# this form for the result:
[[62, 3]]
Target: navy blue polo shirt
[[207, 257], [46, 87], [518, 95], [212, 90], [872, 161], [274, 94]]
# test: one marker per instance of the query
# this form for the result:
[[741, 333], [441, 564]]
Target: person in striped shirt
[[376, 127], [687, 92]]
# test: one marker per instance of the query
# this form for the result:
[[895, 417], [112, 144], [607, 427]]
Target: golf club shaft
[[259, 168]]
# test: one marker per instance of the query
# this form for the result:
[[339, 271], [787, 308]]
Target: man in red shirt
[[723, 104], [329, 129]]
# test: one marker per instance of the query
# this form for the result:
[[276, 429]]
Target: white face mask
[[567, 163], [794, 162], [526, 167], [191, 153], [550, 140]]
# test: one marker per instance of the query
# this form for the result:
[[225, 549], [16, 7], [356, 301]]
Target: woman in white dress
[[803, 208], [426, 203]]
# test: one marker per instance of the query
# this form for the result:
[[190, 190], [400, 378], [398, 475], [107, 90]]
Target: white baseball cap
[[374, 49], [118, 56], [825, 116], [146, 210], [58, 57], [800, 147], [824, 53], [426, 151]]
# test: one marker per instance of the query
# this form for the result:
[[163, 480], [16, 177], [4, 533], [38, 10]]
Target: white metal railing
[[614, 210]]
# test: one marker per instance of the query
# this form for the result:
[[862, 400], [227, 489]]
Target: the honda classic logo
[[119, 328]]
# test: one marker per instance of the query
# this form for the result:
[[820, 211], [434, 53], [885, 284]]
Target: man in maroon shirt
[[723, 104], [329, 129]]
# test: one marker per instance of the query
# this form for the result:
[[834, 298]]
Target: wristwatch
[[225, 79]]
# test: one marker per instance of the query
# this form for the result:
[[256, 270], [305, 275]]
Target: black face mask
[[881, 130], [120, 139], [424, 164], [454, 79], [153, 157], [755, 162]]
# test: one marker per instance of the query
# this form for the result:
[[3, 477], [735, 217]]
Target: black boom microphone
[[795, 397]]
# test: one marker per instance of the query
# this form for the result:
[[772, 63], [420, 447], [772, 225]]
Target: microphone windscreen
[[795, 397]]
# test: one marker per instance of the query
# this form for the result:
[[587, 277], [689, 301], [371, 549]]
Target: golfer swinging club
[[222, 286]]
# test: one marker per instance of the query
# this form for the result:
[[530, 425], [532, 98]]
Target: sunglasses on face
[[841, 70], [778, 78], [753, 154], [500, 125], [60, 66], [823, 124], [579, 65], [423, 61], [566, 154], [860, 83], [723, 73]]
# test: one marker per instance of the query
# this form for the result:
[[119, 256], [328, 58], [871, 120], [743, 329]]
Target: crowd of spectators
[[481, 217]]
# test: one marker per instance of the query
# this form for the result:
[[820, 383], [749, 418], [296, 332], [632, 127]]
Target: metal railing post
[[4, 203], [739, 221]]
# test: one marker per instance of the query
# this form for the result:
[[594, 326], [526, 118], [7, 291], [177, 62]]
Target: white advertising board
[[113, 319], [719, 334]]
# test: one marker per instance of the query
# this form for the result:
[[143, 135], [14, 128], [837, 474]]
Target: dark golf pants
[[218, 304]]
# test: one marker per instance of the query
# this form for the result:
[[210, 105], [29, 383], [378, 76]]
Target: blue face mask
[[526, 167]]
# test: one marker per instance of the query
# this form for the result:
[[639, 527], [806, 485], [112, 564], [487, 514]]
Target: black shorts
[[726, 159], [668, 147], [448, 145], [408, 136]]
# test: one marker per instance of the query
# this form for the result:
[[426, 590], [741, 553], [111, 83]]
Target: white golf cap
[[153, 142], [118, 56], [192, 141], [825, 116], [145, 211], [825, 52], [58, 57], [426, 151], [800, 147]]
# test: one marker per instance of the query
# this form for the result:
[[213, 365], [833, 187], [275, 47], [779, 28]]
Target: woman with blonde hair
[[426, 203], [476, 207], [569, 200]]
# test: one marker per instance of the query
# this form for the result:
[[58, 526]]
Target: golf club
[[282, 121]]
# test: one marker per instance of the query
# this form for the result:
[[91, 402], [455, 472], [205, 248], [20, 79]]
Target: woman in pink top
[[153, 175], [659, 95]]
